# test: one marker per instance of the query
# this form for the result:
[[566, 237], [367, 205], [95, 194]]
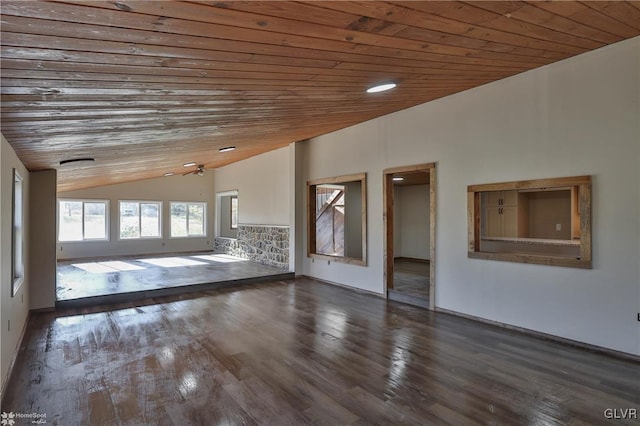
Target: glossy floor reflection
[[303, 352], [99, 277], [411, 277]]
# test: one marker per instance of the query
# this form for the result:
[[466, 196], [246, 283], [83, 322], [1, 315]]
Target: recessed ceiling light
[[76, 160], [189, 164], [398, 178], [122, 6], [168, 174], [381, 87], [227, 149]]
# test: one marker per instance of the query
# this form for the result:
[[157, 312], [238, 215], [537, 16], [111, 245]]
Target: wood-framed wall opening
[[409, 172], [354, 232], [520, 239]]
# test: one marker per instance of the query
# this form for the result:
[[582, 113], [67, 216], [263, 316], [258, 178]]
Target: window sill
[[535, 241], [339, 259], [532, 259]]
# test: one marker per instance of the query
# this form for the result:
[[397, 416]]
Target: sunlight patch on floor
[[123, 266], [222, 258], [172, 262], [106, 267]]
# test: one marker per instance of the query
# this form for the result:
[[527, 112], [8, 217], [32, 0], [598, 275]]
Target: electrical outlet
[[558, 227]]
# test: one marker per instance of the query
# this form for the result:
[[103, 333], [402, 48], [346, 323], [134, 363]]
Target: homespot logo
[[9, 419], [621, 413]]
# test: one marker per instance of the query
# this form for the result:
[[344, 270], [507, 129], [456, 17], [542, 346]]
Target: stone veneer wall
[[264, 244]]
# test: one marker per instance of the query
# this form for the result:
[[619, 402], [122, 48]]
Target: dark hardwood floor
[[411, 277], [303, 352]]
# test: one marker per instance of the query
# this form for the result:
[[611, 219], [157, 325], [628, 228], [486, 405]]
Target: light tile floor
[[99, 277]]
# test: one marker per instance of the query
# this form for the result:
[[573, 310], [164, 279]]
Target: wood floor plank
[[303, 352]]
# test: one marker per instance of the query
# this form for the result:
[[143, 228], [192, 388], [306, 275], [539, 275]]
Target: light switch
[[558, 227]]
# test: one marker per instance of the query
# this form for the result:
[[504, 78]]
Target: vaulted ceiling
[[145, 86]]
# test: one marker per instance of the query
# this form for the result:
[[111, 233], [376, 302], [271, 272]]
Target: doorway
[[409, 222]]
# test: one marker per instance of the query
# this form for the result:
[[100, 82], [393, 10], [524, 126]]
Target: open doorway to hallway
[[409, 213]]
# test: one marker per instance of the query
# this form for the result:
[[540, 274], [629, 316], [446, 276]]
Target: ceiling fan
[[198, 171]]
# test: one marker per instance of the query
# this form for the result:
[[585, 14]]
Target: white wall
[[578, 116], [165, 189], [359, 151], [12, 309], [411, 221], [263, 187], [42, 227], [265, 190]]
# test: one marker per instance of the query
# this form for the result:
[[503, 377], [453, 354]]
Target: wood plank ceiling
[[145, 86]]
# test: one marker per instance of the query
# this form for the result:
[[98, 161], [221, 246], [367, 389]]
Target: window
[[17, 234], [338, 219], [140, 219], [227, 214], [544, 221], [234, 212], [82, 220], [188, 219]]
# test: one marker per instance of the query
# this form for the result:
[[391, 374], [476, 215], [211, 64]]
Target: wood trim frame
[[311, 218], [387, 215], [473, 221]]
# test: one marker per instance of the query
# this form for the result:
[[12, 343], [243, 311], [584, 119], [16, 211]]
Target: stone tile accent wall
[[226, 245], [264, 244]]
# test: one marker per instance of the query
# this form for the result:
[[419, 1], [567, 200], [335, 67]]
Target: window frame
[[204, 219], [83, 201], [140, 202], [17, 238], [474, 221], [311, 218]]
